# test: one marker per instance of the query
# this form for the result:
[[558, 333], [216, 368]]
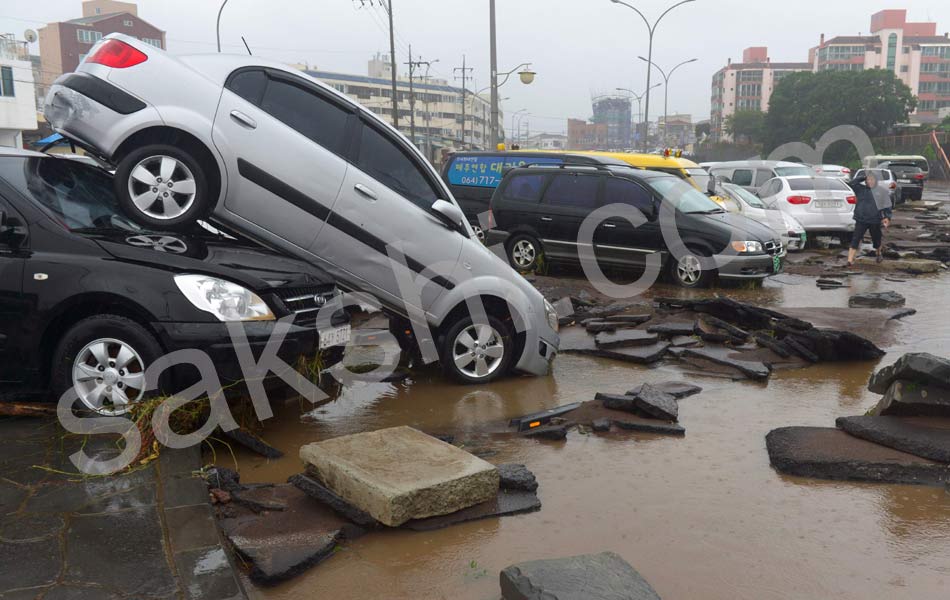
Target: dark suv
[[89, 299], [539, 211], [910, 179]]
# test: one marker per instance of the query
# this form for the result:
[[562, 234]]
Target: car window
[[772, 188], [745, 195], [79, 196], [309, 114], [683, 195], [573, 190], [761, 176], [817, 183], [249, 85], [742, 177], [622, 191], [793, 171], [387, 162], [524, 188]]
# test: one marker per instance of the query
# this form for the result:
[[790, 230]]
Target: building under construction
[[616, 113]]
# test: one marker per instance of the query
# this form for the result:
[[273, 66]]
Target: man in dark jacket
[[871, 213]]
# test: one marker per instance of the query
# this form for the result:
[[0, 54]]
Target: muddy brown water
[[703, 516]]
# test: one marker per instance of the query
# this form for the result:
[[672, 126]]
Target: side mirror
[[711, 186], [10, 234], [450, 214]]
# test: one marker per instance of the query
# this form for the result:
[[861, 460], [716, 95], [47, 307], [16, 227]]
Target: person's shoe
[[880, 258]]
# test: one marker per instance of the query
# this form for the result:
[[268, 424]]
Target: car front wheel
[[162, 187], [687, 271], [475, 353], [524, 252], [104, 358]]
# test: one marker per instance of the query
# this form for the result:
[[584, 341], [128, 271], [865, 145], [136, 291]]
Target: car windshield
[[700, 176], [684, 196], [79, 196], [744, 195], [793, 171]]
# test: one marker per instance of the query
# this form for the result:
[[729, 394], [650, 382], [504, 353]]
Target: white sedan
[[737, 199], [833, 171], [820, 204]]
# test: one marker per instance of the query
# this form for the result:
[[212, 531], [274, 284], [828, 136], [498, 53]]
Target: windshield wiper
[[711, 211]]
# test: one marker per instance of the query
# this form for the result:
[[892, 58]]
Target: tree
[[702, 129], [806, 105], [745, 126]]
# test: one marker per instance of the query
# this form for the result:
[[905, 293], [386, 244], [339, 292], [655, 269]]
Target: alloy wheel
[[524, 253], [478, 350], [689, 269], [108, 376], [162, 187]]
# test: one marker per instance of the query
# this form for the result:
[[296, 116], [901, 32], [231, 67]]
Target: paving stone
[[29, 564], [191, 527], [517, 477], [828, 453], [316, 490], [600, 425], [25, 528], [68, 591], [136, 497], [507, 502], [400, 473], [129, 542], [877, 300], [604, 576], [11, 496], [677, 389], [206, 573], [184, 490], [183, 461], [924, 437], [627, 338]]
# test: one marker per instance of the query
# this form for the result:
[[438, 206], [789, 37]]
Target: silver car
[[281, 157]]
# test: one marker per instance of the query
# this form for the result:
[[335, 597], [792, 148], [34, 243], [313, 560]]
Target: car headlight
[[551, 314], [747, 247], [225, 300]]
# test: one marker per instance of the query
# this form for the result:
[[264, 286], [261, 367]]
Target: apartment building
[[17, 92]]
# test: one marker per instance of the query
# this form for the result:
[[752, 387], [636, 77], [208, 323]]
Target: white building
[[546, 141], [17, 92]]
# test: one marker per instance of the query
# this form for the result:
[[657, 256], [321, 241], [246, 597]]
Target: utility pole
[[412, 99], [388, 6], [464, 78], [493, 126]]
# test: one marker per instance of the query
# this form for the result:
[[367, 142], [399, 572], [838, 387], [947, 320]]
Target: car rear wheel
[[475, 353], [104, 359], [687, 271], [162, 187], [524, 252]]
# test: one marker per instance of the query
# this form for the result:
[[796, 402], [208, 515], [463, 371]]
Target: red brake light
[[852, 199], [799, 199], [919, 176], [117, 55], [893, 186], [846, 170]]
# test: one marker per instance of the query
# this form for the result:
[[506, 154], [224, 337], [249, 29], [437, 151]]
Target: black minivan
[[473, 176], [89, 299], [539, 210]]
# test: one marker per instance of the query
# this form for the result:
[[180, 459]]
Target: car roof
[[757, 163], [613, 170], [583, 158], [645, 161]]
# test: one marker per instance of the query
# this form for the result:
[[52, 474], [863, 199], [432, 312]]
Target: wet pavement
[[147, 534]]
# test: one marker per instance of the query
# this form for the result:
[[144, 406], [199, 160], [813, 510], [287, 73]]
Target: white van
[[752, 174]]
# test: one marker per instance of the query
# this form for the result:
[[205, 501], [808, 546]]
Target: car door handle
[[547, 219], [609, 226], [243, 119], [362, 189]]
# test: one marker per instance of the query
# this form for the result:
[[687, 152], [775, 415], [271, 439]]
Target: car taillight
[[846, 171], [491, 219], [799, 199], [919, 176], [116, 54], [893, 186], [852, 199]]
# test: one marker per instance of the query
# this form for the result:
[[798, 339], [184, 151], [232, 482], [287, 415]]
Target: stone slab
[[507, 502], [750, 369], [594, 410], [400, 473], [516, 476], [910, 398], [671, 329], [677, 389], [920, 367], [625, 338], [642, 355], [317, 491], [604, 576], [924, 437], [887, 299], [828, 453]]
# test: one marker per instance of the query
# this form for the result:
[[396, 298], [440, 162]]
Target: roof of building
[[770, 65], [927, 39], [853, 39], [384, 82], [95, 18]]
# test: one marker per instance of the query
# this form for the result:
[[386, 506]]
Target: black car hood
[[239, 260], [752, 231]]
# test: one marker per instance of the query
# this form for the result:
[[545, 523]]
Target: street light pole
[[651, 29], [639, 98], [494, 76], [392, 63], [217, 29], [666, 93], [514, 115]]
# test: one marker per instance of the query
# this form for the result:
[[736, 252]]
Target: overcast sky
[[579, 48]]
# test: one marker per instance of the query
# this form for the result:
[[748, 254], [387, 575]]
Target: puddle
[[703, 516]]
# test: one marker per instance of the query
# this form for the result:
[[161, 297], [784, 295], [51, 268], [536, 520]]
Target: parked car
[[833, 171], [538, 210], [821, 205], [753, 174], [270, 152], [872, 162], [473, 176], [909, 177], [90, 299], [741, 201], [885, 179]]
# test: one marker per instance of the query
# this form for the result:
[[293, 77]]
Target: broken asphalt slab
[[604, 576], [877, 300], [905, 398], [594, 410], [625, 338], [924, 437], [920, 367], [506, 502], [751, 369], [828, 453], [648, 402], [677, 389]]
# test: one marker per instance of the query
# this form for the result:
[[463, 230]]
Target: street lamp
[[639, 98], [651, 29], [514, 115], [526, 76], [666, 93], [217, 28]]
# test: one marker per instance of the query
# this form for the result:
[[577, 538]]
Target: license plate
[[904, 180], [334, 336], [827, 203], [776, 264]]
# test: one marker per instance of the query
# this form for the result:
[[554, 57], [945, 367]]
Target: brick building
[[582, 135]]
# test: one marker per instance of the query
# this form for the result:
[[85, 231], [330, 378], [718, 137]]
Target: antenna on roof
[[249, 53]]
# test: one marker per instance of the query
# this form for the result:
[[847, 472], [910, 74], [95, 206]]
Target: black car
[[473, 176], [539, 211], [910, 179], [89, 299]]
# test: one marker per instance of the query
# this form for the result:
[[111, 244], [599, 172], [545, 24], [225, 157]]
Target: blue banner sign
[[487, 171]]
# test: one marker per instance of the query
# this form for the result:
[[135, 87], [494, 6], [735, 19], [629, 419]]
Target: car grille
[[774, 248], [306, 302]]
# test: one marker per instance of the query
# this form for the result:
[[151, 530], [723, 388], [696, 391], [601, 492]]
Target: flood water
[[703, 516]]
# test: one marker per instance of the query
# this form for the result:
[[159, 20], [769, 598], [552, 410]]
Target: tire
[[524, 252], [79, 347], [148, 203], [455, 351], [685, 271]]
